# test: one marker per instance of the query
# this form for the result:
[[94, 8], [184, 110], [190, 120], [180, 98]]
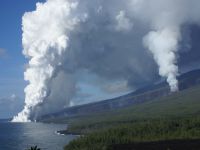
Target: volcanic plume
[[115, 45]]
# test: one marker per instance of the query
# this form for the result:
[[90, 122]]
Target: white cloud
[[63, 37], [123, 22]]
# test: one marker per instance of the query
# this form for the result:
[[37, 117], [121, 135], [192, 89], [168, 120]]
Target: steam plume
[[163, 45], [105, 40], [45, 41]]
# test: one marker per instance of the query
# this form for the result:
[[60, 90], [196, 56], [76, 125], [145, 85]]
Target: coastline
[[66, 132]]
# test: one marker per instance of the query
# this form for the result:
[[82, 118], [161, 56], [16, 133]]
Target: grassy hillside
[[139, 132], [181, 104], [175, 117], [141, 95]]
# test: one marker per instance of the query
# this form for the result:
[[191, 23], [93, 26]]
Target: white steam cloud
[[45, 41], [163, 45], [61, 38]]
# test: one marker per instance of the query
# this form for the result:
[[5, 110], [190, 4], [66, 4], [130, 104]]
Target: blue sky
[[11, 59], [12, 62], [108, 59]]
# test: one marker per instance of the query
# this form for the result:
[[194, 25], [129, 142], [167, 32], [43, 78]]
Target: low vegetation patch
[[137, 132]]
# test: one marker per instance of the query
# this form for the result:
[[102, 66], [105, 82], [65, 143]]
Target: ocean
[[21, 136]]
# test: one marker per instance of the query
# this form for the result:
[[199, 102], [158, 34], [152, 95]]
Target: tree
[[34, 148]]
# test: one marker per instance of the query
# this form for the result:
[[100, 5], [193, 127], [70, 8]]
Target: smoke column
[[163, 45], [165, 18], [45, 41], [106, 39]]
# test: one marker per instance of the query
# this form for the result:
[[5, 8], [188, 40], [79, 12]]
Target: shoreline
[[66, 132]]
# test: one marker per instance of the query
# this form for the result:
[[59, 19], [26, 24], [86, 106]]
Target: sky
[[82, 51], [12, 61]]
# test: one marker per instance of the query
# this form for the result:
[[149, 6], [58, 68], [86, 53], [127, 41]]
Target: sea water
[[21, 136]]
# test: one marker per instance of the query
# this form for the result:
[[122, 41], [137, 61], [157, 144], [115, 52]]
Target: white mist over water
[[45, 42], [103, 37]]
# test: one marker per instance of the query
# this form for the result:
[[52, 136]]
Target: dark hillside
[[142, 95]]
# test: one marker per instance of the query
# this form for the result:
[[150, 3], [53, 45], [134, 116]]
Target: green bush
[[141, 131], [34, 148]]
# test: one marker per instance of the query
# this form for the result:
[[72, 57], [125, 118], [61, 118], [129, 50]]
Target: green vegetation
[[173, 117], [34, 148], [178, 105], [141, 131]]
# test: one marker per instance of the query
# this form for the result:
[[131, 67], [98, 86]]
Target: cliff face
[[142, 95]]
